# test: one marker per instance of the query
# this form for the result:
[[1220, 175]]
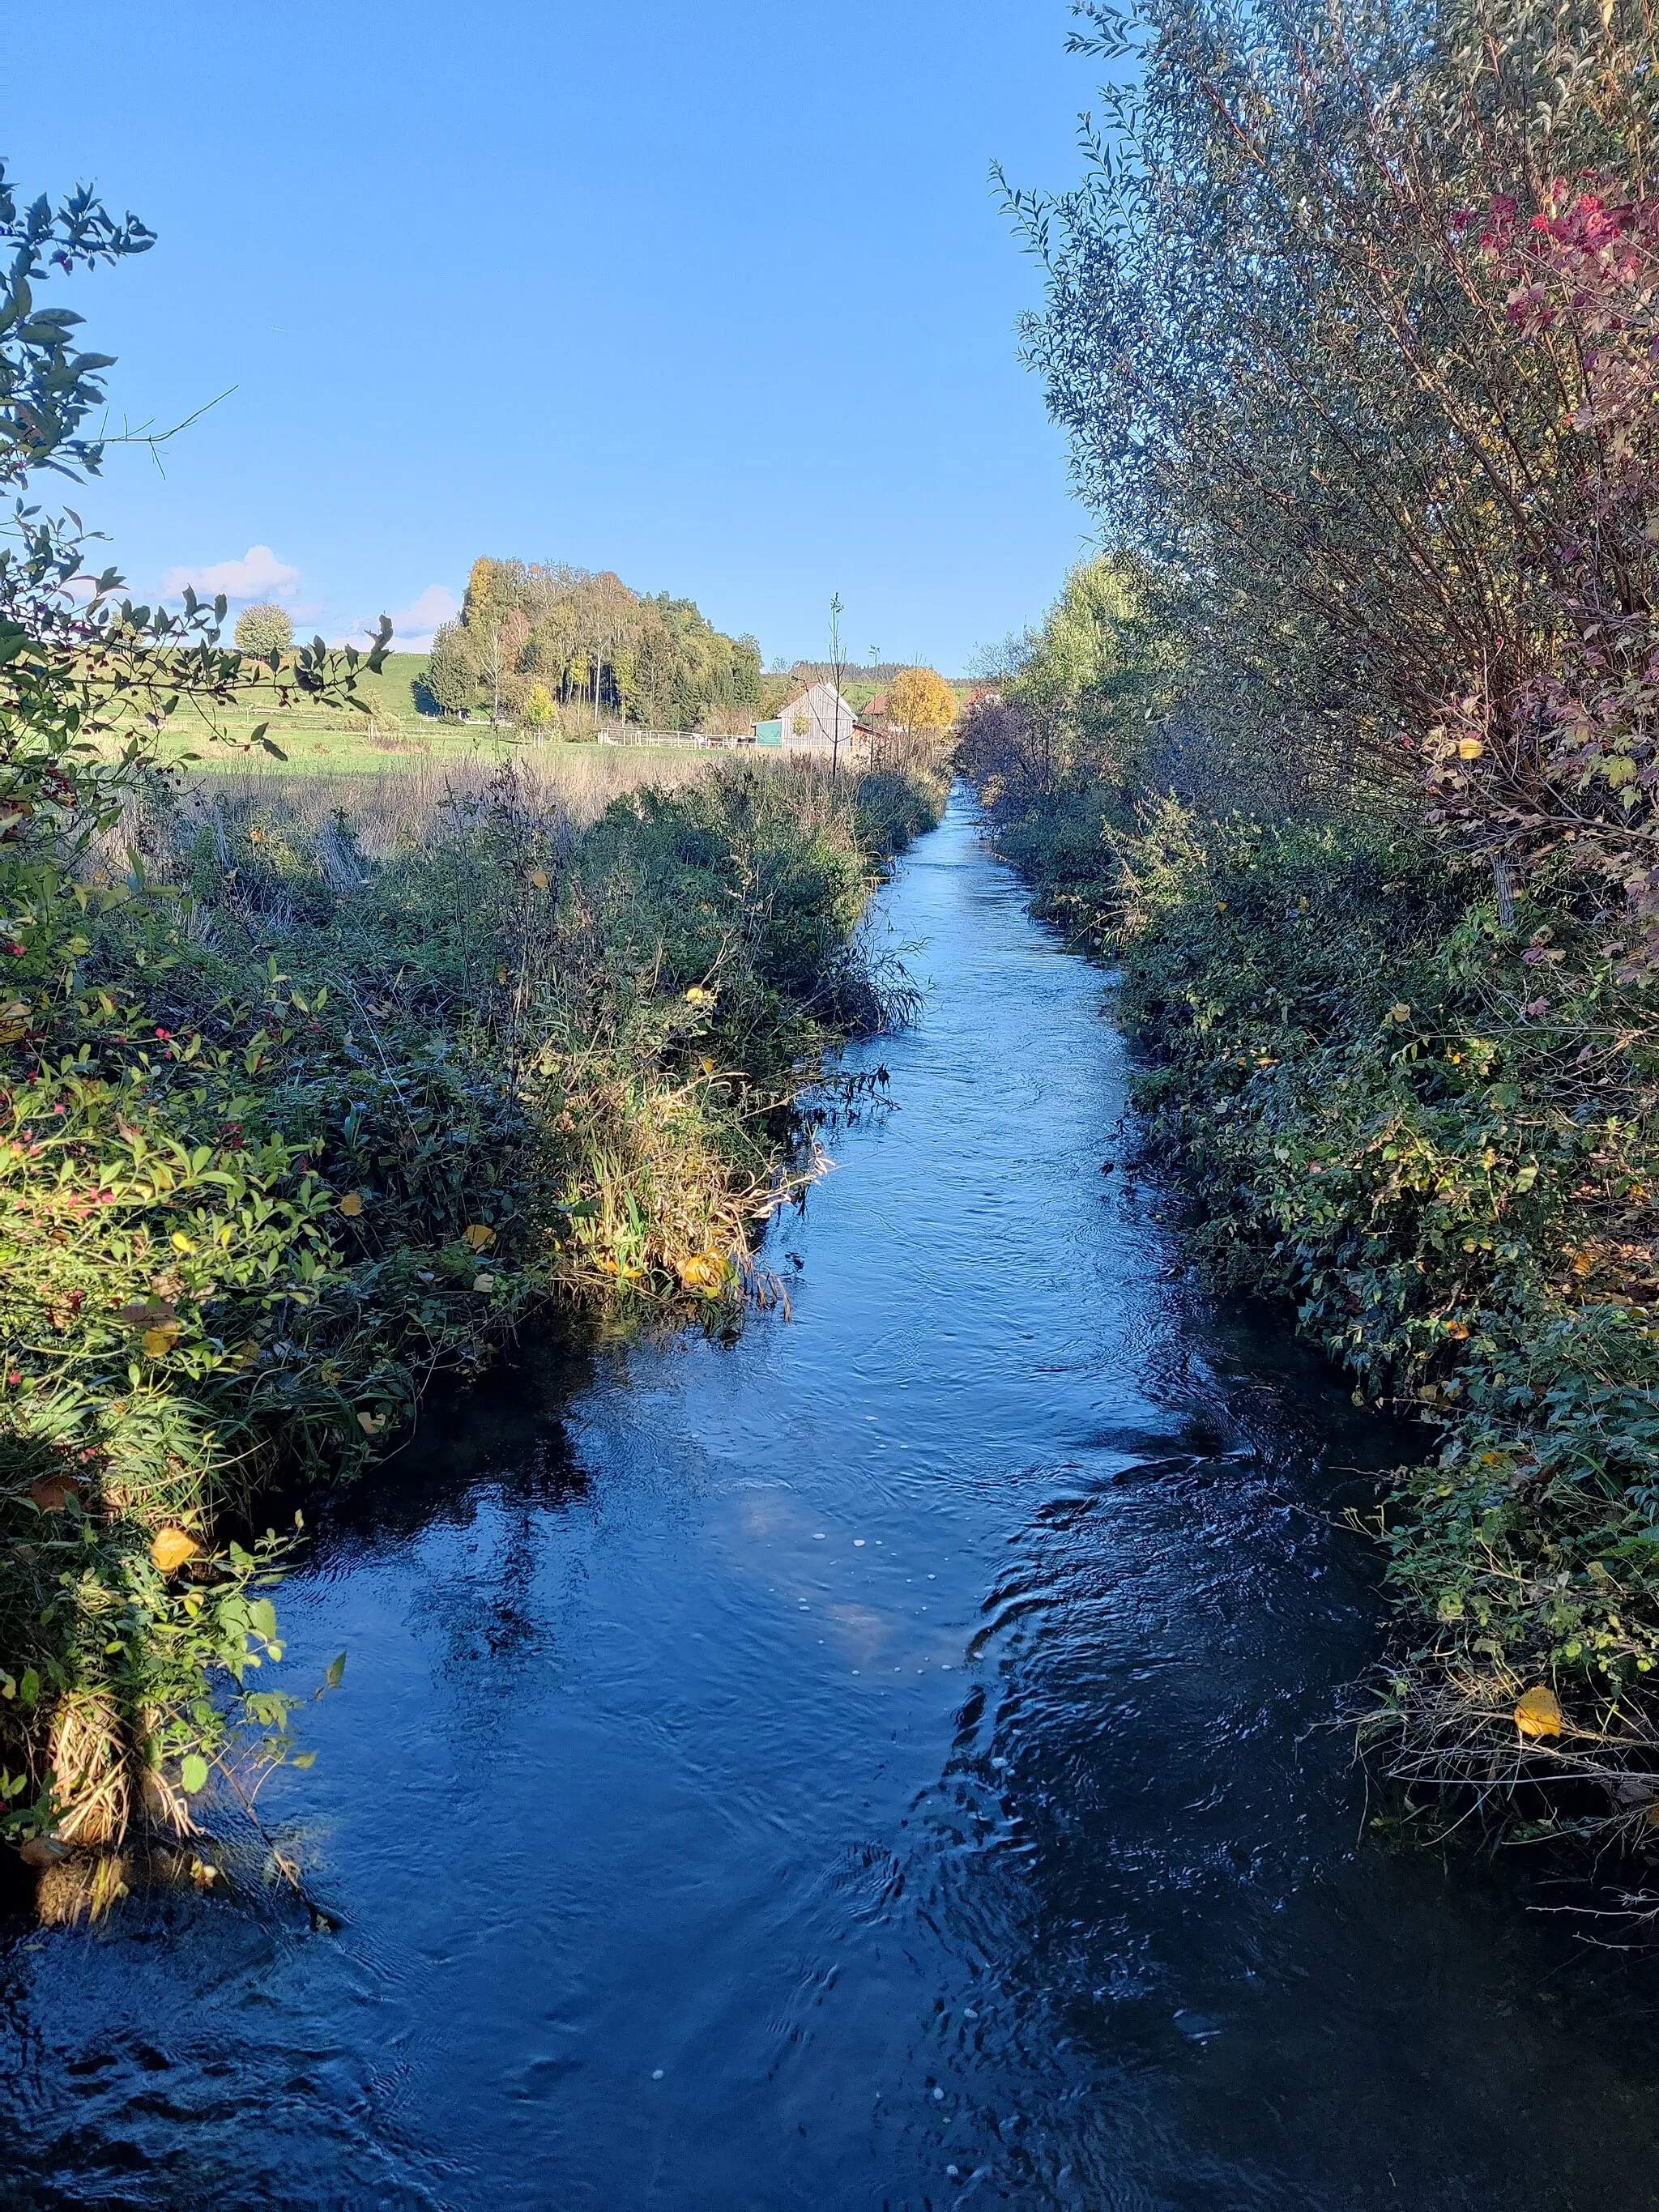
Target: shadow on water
[[886, 1762]]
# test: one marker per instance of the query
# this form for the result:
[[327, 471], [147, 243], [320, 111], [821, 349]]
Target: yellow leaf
[[696, 996], [181, 1242], [538, 876], [371, 1423], [158, 1342], [704, 1271], [1401, 1011], [479, 1235], [1538, 1712], [171, 1547], [483, 1282], [920, 699], [352, 1204], [1469, 749]]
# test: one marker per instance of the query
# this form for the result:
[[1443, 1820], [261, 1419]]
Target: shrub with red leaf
[[1571, 764]]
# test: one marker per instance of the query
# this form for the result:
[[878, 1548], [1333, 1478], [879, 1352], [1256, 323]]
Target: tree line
[[534, 639]]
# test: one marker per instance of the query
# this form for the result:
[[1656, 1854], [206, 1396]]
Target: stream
[[885, 1763]]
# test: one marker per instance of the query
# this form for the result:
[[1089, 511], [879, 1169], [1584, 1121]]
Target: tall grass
[[393, 806]]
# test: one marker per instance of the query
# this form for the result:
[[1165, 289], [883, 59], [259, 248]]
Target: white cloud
[[414, 626], [258, 576]]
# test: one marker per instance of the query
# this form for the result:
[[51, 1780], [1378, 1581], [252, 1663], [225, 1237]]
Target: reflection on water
[[884, 1763]]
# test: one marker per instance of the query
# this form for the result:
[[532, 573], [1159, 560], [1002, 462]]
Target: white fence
[[625, 733]]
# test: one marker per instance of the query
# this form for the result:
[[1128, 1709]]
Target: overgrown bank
[[289, 1127], [1430, 1126], [1349, 751], [290, 1133]]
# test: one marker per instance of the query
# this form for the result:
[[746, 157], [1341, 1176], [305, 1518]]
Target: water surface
[[881, 1764]]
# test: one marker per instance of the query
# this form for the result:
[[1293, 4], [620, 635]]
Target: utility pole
[[835, 658]]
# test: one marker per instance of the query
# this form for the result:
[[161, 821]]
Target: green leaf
[[193, 1773], [335, 1673]]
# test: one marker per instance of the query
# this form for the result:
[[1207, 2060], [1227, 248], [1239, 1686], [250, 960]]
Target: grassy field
[[337, 740], [395, 799], [391, 693], [389, 734], [388, 737]]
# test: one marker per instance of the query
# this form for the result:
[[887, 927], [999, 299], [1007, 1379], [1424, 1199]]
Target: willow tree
[[1290, 382]]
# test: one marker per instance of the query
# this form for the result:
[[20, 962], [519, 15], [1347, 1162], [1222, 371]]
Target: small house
[[817, 721]]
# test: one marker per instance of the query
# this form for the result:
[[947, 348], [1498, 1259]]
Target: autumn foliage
[[920, 699], [1569, 765]]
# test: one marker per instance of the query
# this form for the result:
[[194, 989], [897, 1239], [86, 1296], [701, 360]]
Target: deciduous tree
[[920, 699], [539, 710], [1287, 383], [264, 630]]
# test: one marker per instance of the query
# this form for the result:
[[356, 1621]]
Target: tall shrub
[[1288, 381], [1566, 765]]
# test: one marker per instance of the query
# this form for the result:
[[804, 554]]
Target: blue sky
[[718, 296]]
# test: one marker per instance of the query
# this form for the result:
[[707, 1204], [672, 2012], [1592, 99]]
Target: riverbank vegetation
[[1348, 753], [301, 1112]]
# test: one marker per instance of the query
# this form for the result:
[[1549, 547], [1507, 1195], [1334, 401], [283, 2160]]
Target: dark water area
[[880, 1764]]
